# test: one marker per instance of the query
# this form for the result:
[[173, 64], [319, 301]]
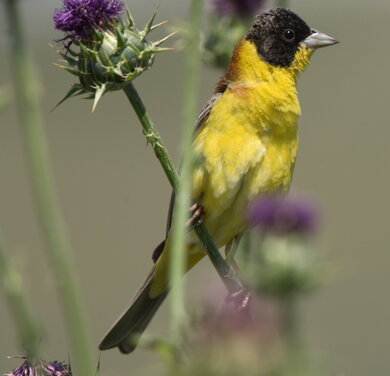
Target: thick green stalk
[[25, 323], [26, 89], [178, 257], [224, 270]]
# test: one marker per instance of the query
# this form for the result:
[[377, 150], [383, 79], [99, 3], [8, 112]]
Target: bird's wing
[[199, 124]]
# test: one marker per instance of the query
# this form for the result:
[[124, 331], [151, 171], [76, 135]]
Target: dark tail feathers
[[127, 330]]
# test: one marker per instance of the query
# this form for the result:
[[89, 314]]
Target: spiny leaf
[[121, 40], [75, 90], [103, 58], [87, 51], [70, 60], [148, 26], [98, 94], [130, 19], [118, 71], [71, 52], [69, 69], [154, 50]]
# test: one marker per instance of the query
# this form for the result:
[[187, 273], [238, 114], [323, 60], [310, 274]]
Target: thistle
[[40, 368], [237, 8], [283, 216], [284, 264], [104, 52], [228, 23]]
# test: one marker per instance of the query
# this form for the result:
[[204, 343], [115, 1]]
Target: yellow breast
[[249, 142]]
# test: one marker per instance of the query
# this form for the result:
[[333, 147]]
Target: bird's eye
[[288, 35]]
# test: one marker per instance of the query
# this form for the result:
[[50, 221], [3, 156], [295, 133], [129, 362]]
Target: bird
[[245, 142]]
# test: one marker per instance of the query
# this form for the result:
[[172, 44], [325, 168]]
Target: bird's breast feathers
[[249, 140]]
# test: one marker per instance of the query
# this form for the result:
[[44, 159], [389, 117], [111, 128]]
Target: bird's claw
[[197, 217]]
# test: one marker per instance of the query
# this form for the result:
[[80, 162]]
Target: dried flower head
[[283, 215], [240, 8], [40, 368], [79, 18]]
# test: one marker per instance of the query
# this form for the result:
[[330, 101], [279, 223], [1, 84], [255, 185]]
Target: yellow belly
[[243, 153], [226, 210]]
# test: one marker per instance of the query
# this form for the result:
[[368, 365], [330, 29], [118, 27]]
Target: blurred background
[[115, 197]]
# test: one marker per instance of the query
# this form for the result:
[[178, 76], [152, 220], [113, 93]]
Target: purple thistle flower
[[78, 18], [283, 215], [240, 8], [40, 368]]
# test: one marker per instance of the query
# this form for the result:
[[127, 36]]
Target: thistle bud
[[104, 52], [228, 23], [284, 263]]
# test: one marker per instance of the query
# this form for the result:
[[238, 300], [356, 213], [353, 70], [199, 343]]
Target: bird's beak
[[318, 40]]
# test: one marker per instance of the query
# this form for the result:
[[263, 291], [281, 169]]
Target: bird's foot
[[197, 217]]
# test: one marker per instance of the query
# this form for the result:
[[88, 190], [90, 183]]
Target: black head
[[277, 34]]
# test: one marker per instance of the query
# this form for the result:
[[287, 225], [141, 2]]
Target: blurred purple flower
[[283, 215], [241, 8], [40, 368], [78, 18]]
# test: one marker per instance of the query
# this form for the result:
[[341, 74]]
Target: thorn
[[118, 72], [161, 41], [68, 59], [120, 38], [149, 25], [130, 19], [162, 49], [75, 90], [98, 94], [133, 47], [158, 25], [87, 51], [67, 68]]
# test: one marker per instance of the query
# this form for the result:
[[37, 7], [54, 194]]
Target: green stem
[[26, 325], [152, 135], [26, 89], [178, 257], [224, 270]]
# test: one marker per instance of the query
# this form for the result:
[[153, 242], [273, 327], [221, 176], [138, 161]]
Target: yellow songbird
[[246, 140]]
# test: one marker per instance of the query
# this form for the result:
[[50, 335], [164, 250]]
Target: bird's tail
[[127, 330]]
